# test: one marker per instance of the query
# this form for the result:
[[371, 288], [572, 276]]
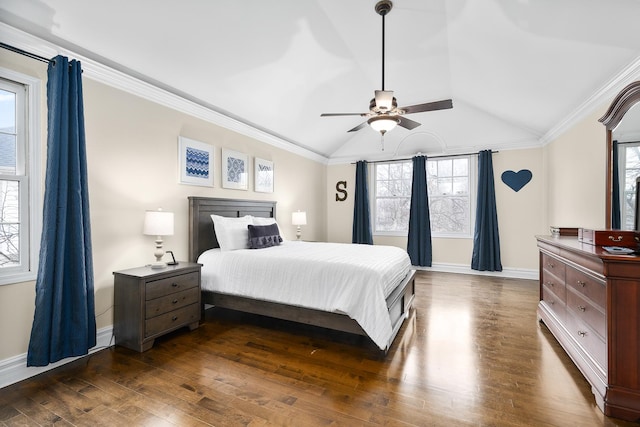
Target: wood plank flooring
[[471, 354]]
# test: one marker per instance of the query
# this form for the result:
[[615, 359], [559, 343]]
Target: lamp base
[[158, 264]]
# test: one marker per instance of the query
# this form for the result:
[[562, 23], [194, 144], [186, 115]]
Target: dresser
[[150, 302], [590, 301]]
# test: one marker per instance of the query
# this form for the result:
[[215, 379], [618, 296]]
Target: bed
[[387, 309]]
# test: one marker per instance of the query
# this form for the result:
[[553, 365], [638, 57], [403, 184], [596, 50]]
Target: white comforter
[[342, 278]]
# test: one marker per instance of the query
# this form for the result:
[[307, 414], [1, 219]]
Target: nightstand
[[150, 302]]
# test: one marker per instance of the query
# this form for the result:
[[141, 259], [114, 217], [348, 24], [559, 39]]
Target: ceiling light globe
[[383, 124]]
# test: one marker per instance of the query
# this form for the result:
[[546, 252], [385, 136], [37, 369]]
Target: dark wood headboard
[[201, 233]]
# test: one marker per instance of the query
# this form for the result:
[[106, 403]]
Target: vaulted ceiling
[[515, 69]]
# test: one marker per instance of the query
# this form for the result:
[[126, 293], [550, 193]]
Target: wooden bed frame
[[202, 237]]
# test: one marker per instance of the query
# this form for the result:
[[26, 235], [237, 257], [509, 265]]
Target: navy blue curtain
[[419, 237], [64, 322], [361, 213], [616, 220], [486, 239]]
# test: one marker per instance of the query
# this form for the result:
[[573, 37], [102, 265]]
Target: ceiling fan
[[384, 113]]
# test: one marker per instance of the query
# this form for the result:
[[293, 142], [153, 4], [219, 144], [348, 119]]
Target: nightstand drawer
[[158, 306], [162, 287], [172, 319]]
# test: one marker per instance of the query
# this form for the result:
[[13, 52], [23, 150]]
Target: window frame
[[622, 174], [472, 175], [29, 174]]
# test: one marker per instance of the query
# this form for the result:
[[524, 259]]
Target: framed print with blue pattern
[[235, 170], [195, 162], [263, 175]]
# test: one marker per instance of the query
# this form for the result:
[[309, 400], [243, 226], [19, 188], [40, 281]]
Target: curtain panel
[[419, 236], [486, 239], [64, 323], [361, 213], [616, 216]]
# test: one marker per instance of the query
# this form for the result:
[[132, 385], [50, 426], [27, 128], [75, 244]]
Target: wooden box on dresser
[[150, 302], [590, 301]]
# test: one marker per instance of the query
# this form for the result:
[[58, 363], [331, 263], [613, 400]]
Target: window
[[450, 182], [19, 177], [629, 161]]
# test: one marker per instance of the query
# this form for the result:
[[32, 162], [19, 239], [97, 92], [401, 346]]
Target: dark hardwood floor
[[472, 353]]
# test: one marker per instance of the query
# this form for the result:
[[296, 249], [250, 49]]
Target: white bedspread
[[343, 278]]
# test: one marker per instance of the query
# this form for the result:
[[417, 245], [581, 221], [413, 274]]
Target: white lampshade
[[158, 223], [383, 123], [299, 218]]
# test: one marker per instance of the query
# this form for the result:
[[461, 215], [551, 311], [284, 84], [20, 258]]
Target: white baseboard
[[513, 273], [15, 369]]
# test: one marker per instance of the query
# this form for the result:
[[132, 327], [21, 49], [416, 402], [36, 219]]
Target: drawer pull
[[582, 308], [581, 283], [582, 333], [614, 239], [175, 301], [550, 284], [174, 284], [550, 265], [551, 302], [174, 318]]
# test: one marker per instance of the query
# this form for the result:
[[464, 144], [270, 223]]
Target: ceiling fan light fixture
[[383, 123]]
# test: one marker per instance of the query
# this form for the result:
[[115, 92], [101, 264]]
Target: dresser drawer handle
[[174, 318], [175, 301], [582, 333], [581, 283], [551, 302], [613, 239], [550, 284], [582, 308], [175, 285], [550, 265]]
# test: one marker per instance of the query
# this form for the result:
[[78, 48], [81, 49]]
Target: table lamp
[[298, 218], [158, 223]]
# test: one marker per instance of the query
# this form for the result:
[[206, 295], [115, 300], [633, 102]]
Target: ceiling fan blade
[[407, 123], [357, 128], [429, 106], [384, 99], [342, 114]]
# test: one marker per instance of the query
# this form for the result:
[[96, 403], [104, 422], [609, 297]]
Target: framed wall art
[[263, 175], [235, 170], [195, 162]]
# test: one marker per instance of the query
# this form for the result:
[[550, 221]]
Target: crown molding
[[605, 94], [136, 86]]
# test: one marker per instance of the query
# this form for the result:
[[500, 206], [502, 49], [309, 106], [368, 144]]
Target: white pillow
[[232, 233], [257, 220]]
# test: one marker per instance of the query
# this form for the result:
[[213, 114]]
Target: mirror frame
[[627, 98]]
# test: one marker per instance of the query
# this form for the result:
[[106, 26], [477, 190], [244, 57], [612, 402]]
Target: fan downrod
[[383, 7]]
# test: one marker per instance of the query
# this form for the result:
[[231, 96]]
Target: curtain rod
[[24, 52], [429, 157]]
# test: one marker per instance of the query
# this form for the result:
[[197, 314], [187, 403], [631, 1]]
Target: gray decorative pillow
[[263, 236]]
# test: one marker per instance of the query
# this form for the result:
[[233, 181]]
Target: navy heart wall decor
[[517, 180]]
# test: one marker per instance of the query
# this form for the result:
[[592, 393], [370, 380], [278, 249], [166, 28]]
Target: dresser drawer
[[587, 312], [554, 302], [555, 285], [173, 319], [586, 285], [552, 269], [162, 287], [158, 306], [595, 346]]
